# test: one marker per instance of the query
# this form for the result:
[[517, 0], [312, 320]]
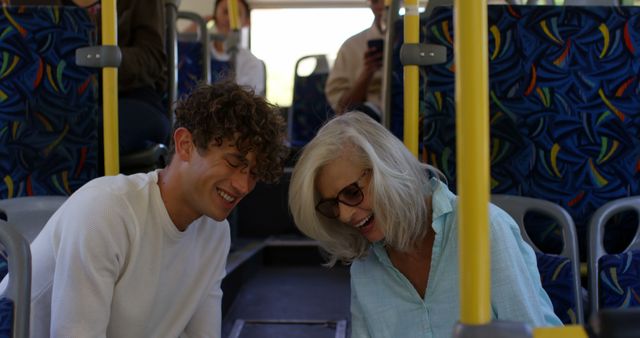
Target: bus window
[[282, 36]]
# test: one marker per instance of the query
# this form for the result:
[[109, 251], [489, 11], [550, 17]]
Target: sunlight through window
[[282, 36]]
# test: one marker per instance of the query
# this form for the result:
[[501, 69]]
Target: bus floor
[[285, 301]]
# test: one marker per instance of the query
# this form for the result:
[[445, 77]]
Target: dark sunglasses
[[350, 195]]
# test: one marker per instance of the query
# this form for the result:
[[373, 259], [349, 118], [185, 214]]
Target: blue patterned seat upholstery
[[620, 280], [557, 276], [6, 317], [309, 107], [564, 107], [190, 66], [48, 105]]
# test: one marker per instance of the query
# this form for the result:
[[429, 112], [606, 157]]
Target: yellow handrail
[[411, 97], [472, 129], [234, 15], [570, 331], [110, 91], [472, 132]]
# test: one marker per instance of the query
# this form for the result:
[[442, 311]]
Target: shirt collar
[[441, 205]]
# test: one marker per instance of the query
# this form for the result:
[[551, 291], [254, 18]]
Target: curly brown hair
[[225, 111]]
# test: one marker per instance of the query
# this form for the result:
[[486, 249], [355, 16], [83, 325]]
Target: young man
[[144, 255]]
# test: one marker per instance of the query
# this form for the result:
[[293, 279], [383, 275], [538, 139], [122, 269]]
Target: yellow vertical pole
[[568, 331], [110, 91], [234, 15], [472, 132], [411, 97]]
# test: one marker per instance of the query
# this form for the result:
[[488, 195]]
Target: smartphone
[[376, 44]]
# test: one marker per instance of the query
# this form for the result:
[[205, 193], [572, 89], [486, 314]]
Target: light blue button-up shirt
[[384, 304]]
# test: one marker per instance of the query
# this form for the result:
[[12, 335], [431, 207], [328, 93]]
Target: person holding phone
[[355, 81]]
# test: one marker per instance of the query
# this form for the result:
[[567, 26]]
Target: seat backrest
[[614, 279], [560, 274], [15, 302], [189, 66], [29, 214], [192, 51], [309, 107], [266, 202], [48, 105], [563, 105]]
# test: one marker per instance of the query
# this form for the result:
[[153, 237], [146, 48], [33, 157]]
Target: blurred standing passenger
[[355, 81], [249, 70]]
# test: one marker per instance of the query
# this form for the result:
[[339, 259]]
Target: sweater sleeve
[[90, 244], [207, 319], [516, 290], [339, 80]]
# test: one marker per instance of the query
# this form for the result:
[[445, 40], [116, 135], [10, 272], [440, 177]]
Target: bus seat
[[309, 107], [189, 66], [265, 211], [192, 50], [29, 214], [563, 108], [559, 273], [48, 105], [614, 278], [15, 301], [157, 156]]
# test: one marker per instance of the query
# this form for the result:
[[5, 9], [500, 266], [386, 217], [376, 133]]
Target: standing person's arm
[[344, 91], [141, 27], [92, 242], [339, 80], [516, 291]]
